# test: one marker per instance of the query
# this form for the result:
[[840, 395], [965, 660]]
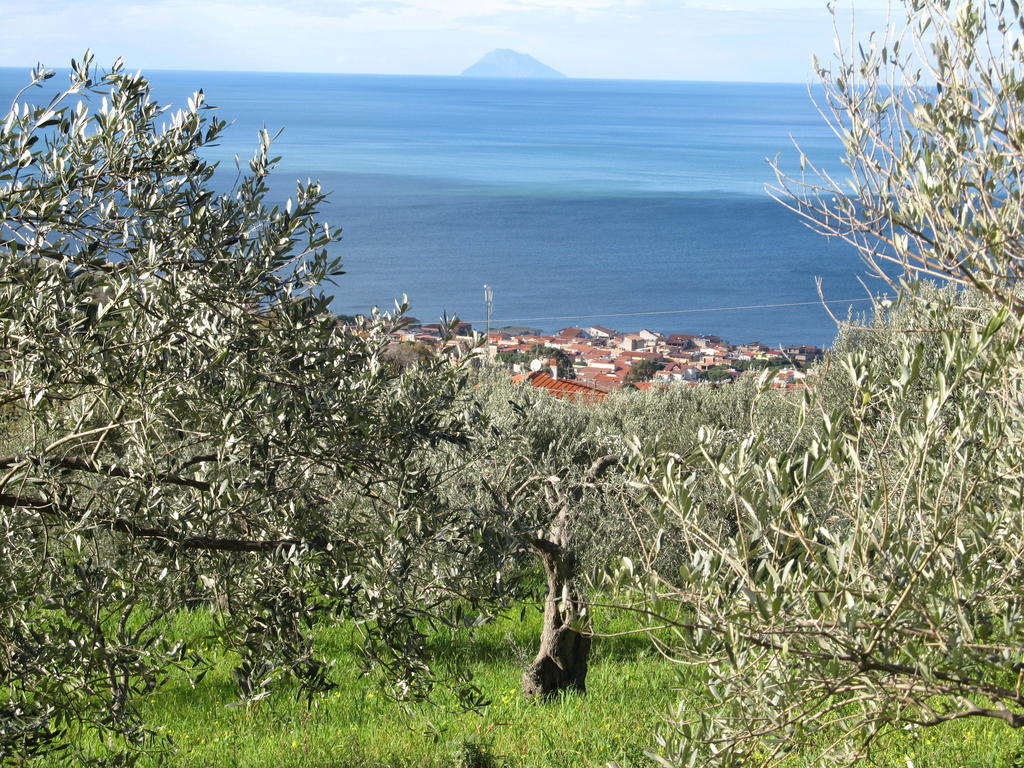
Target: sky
[[731, 40]]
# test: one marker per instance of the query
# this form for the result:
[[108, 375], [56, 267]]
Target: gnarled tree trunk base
[[560, 666], [561, 663]]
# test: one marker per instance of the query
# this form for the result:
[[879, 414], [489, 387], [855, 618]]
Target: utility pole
[[489, 299]]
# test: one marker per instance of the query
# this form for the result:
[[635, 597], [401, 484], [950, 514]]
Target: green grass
[[629, 685], [354, 726]]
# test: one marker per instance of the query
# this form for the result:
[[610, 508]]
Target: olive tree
[[184, 420], [550, 475], [554, 473], [873, 582]]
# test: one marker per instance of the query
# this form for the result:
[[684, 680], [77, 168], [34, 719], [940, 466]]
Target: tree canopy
[[185, 420], [543, 353], [642, 370], [870, 580]]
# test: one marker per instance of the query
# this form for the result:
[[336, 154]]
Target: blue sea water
[[574, 199]]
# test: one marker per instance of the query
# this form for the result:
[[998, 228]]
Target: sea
[[622, 203]]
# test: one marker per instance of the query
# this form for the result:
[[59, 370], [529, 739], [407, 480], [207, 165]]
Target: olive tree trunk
[[561, 662]]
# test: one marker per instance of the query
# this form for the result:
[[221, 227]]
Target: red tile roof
[[564, 389], [611, 384]]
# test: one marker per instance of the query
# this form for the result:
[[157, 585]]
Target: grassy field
[[630, 686]]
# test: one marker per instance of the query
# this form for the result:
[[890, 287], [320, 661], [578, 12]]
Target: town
[[593, 361]]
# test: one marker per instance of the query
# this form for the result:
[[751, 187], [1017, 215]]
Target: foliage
[[546, 472], [642, 370], [403, 354], [872, 581], [543, 436], [552, 470], [543, 353], [931, 122], [184, 420], [718, 374], [185, 423]]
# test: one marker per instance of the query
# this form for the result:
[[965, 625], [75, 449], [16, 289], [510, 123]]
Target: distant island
[[503, 62]]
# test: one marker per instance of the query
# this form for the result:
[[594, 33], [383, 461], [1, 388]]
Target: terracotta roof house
[[579, 350], [530, 339], [788, 378], [600, 332], [683, 340], [632, 342], [608, 382], [706, 341], [803, 353], [628, 358], [563, 389], [572, 333], [677, 372], [587, 374]]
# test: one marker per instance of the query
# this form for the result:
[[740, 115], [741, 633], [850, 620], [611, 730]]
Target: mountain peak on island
[[503, 62]]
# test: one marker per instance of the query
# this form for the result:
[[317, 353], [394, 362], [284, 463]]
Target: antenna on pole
[[489, 300]]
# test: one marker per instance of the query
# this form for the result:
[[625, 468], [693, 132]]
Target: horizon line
[[459, 76]]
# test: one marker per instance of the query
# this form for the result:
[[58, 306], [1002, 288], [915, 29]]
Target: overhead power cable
[[671, 311]]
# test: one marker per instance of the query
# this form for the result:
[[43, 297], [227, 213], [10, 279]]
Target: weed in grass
[[472, 753]]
